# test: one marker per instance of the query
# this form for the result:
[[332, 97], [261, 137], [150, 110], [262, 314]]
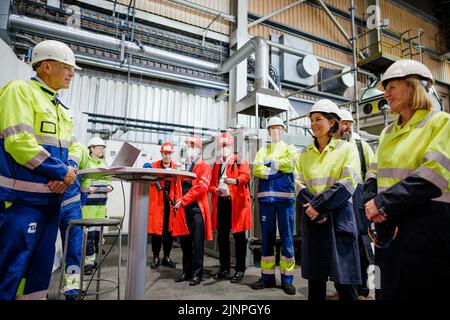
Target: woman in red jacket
[[231, 206], [193, 217], [160, 214]]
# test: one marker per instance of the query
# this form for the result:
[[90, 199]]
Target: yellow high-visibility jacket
[[35, 135]]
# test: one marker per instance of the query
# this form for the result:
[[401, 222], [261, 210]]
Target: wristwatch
[[381, 210]]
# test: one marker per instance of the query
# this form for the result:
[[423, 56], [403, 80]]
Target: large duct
[[255, 45]]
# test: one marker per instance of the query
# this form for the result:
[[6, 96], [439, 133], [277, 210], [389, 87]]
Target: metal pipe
[[255, 45], [338, 25], [204, 9], [270, 15], [318, 83], [355, 65], [160, 74]]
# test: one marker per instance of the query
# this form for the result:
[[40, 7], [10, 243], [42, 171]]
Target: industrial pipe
[[255, 45]]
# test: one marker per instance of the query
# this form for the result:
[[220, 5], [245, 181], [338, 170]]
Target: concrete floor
[[160, 283]]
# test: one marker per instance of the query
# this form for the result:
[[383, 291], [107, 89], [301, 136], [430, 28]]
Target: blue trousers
[[27, 250], [283, 214], [74, 244]]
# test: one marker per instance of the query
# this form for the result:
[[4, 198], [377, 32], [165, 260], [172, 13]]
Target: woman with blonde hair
[[407, 190]]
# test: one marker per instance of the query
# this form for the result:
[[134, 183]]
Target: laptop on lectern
[[127, 155]]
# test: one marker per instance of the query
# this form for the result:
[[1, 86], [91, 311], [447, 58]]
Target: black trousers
[[165, 240], [317, 291], [93, 239], [365, 259], [223, 237], [192, 245]]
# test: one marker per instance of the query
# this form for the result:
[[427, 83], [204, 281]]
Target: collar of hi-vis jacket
[[418, 116], [38, 83], [330, 146]]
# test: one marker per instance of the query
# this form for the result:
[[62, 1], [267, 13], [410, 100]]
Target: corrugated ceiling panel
[[181, 13]]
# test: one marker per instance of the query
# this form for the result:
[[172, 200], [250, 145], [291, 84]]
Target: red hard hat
[[196, 140], [167, 147], [225, 139]]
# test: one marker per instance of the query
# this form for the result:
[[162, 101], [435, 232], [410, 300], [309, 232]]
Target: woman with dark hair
[[327, 173]]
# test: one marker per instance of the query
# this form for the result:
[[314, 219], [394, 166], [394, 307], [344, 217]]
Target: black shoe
[[260, 284], [195, 281], [155, 263], [288, 288], [183, 277], [88, 269], [237, 277], [167, 262], [221, 274]]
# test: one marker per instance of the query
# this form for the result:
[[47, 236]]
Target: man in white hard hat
[[35, 136], [366, 155], [274, 167]]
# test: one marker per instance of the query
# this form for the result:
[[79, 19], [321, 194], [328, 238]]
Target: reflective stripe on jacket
[[35, 134], [274, 167]]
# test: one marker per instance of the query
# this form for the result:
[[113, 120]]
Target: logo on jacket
[[32, 227]]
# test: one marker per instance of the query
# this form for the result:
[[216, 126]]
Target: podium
[[140, 179]]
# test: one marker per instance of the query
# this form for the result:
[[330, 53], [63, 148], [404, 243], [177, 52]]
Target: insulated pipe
[[255, 45]]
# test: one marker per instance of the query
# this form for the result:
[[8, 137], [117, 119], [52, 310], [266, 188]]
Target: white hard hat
[[53, 50], [325, 106], [96, 141], [275, 121], [404, 68], [345, 115]]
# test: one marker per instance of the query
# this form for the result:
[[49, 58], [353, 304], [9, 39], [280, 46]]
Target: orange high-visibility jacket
[[199, 193], [156, 202], [241, 206]]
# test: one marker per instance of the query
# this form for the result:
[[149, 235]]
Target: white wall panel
[[94, 93]]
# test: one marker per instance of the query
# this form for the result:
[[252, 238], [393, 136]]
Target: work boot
[[221, 274], [195, 281], [167, 262], [88, 269], [260, 284], [155, 262], [73, 294], [237, 277], [333, 296], [288, 288], [183, 277]]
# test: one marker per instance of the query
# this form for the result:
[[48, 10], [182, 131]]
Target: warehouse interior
[[162, 70]]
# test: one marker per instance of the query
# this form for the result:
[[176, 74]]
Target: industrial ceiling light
[[370, 93]]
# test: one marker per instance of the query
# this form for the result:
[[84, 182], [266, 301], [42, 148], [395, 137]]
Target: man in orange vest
[[160, 214], [232, 208], [193, 219]]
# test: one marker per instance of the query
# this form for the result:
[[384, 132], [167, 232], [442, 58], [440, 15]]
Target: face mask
[[192, 153], [226, 152], [275, 135]]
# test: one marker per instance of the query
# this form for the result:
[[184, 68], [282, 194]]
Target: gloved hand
[[275, 165], [148, 165], [268, 164]]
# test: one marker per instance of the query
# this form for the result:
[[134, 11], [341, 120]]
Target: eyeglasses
[[373, 235], [63, 65]]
